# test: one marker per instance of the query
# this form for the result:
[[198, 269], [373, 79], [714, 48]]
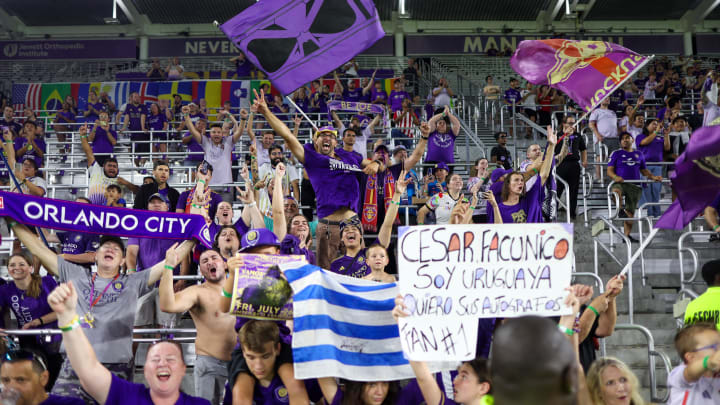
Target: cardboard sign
[[451, 275]]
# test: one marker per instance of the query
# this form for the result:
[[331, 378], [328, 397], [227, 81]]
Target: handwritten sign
[[261, 291], [451, 275]]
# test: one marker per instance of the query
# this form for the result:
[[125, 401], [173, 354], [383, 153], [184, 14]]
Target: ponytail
[[35, 287]]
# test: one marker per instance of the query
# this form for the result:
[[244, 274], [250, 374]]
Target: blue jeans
[[651, 192]]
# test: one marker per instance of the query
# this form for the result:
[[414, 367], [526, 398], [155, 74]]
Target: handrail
[[566, 204], [597, 242], [651, 359], [640, 233], [693, 254]]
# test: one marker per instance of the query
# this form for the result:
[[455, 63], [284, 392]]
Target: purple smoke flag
[[88, 218], [587, 71], [297, 41], [696, 180]]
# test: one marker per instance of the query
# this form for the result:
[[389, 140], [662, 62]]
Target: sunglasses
[[712, 346], [18, 355]]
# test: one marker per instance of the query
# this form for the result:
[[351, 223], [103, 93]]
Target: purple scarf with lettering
[[89, 218], [356, 106]]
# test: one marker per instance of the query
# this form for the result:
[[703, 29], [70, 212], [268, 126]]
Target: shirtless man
[[215, 329]]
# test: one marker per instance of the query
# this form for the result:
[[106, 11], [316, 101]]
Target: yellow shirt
[[705, 308]]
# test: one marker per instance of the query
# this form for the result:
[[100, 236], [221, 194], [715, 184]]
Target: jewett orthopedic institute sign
[[452, 275], [69, 49]]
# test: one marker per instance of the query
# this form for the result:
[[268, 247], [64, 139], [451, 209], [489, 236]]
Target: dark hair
[[30, 122], [112, 239], [505, 193], [216, 125], [634, 117], [160, 163], [678, 118], [488, 77], [39, 362], [273, 147], [34, 288], [672, 101], [711, 271], [31, 160], [647, 124], [481, 368], [289, 224], [624, 134], [110, 159], [87, 200], [216, 245], [212, 249], [497, 134], [354, 391], [351, 128], [114, 186], [256, 333]]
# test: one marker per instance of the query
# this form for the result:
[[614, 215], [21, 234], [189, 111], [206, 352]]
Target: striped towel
[[344, 327]]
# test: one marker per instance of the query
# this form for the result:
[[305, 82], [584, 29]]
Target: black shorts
[[238, 365], [530, 113]]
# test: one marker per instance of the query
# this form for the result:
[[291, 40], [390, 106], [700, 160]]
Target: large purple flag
[[297, 41], [587, 71], [696, 180]]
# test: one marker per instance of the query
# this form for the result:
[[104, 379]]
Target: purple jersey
[[378, 96], [156, 122], [396, 99], [716, 203], [303, 103], [334, 180], [512, 95], [185, 201], [58, 400], [321, 102], [76, 243], [150, 251], [28, 308], [352, 266], [243, 68], [63, 117], [135, 112], [441, 147], [527, 210], [98, 108], [196, 153], [627, 164], [652, 152], [352, 95], [124, 392], [101, 143], [30, 152], [616, 99]]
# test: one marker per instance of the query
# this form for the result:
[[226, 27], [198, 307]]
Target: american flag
[[26, 95]]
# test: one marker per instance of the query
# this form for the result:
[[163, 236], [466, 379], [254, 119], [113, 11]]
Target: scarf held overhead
[[87, 218], [356, 107]]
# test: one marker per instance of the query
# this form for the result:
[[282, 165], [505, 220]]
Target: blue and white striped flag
[[344, 327]]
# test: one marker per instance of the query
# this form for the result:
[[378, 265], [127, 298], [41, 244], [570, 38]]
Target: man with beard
[[333, 175], [100, 176], [215, 329], [267, 171], [161, 174]]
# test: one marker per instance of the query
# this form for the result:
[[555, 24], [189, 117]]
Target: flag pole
[[649, 58], [301, 112], [637, 253]]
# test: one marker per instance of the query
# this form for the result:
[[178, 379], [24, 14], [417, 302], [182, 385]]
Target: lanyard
[[92, 290]]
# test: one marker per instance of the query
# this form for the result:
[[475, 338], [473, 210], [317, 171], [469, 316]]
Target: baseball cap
[[441, 165], [160, 196], [112, 239], [497, 173], [398, 148], [381, 146], [327, 128], [258, 237]]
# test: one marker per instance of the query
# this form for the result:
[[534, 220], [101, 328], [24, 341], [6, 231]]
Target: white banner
[[451, 275]]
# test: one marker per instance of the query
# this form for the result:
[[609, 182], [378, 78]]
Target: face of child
[[377, 258], [112, 194]]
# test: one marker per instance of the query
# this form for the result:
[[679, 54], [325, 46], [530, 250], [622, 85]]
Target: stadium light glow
[[402, 10], [113, 19]]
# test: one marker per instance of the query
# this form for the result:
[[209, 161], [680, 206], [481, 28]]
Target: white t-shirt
[[443, 205], [705, 391], [529, 102], [263, 155], [443, 98], [360, 141], [97, 183], [607, 122], [220, 157], [38, 181]]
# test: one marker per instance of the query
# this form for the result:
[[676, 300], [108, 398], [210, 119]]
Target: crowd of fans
[[338, 204]]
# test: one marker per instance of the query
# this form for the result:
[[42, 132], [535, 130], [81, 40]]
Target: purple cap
[[497, 173], [258, 237], [441, 165], [327, 128]]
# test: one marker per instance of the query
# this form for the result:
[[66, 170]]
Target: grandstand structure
[[460, 40]]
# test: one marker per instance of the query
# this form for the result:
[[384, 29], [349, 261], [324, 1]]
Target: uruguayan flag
[[343, 327]]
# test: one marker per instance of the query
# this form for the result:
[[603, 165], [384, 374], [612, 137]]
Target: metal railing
[[685, 284], [652, 352], [609, 250]]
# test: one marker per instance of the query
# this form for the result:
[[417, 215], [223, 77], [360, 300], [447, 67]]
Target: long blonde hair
[[594, 382]]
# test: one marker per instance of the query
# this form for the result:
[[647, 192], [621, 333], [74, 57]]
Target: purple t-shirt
[[333, 179], [321, 102], [616, 99], [196, 152], [396, 99], [239, 226], [411, 393], [101, 143], [58, 400], [28, 308], [156, 122], [76, 243], [378, 96], [98, 107], [135, 112], [303, 103], [654, 151], [20, 142], [184, 204], [627, 164], [124, 392], [63, 117], [527, 210], [512, 95], [243, 68], [150, 251], [352, 95], [352, 266], [441, 147]]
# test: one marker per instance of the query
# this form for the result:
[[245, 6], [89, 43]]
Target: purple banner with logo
[[101, 220], [707, 44], [261, 291], [587, 71], [423, 45], [69, 49], [188, 47]]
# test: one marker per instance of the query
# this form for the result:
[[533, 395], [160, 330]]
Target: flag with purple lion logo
[[696, 180], [587, 71], [297, 41]]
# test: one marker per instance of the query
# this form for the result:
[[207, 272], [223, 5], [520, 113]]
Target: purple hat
[[441, 165], [327, 128], [258, 237], [497, 173]]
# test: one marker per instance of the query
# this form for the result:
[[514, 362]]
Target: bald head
[[532, 363]]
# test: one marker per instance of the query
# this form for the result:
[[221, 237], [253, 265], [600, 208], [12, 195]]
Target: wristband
[[41, 321], [565, 330], [396, 203], [196, 206], [535, 170], [472, 208], [72, 325], [83, 136], [715, 228], [8, 142], [225, 293], [705, 363], [201, 181], [420, 223], [590, 307], [425, 137], [11, 223], [167, 267], [252, 204], [128, 271]]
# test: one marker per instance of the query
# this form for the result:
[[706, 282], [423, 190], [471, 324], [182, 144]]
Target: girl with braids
[[27, 297]]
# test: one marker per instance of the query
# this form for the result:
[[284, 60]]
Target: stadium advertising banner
[[420, 45], [707, 44], [220, 46], [69, 49]]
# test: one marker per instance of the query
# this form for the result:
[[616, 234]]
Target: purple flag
[[696, 180], [587, 71], [297, 41], [88, 218]]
